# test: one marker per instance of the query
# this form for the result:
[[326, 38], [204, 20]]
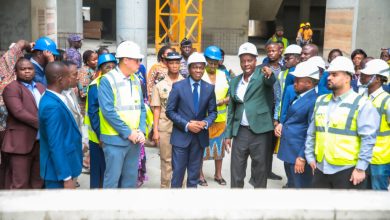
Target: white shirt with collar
[[60, 96], [241, 90]]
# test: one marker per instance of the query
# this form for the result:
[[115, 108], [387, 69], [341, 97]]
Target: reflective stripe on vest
[[282, 80], [381, 151], [337, 140], [221, 91], [91, 133], [127, 102]]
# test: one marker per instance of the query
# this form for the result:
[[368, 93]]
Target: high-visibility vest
[[127, 102], [338, 141], [381, 151], [282, 79], [221, 91], [149, 120], [92, 136], [284, 41]]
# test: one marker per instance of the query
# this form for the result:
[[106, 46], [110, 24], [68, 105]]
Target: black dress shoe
[[273, 176]]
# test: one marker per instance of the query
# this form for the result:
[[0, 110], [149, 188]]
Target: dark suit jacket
[[60, 142], [298, 117], [180, 110], [22, 121], [258, 101]]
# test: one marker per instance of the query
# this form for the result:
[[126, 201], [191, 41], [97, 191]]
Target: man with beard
[[43, 52], [21, 140], [340, 138]]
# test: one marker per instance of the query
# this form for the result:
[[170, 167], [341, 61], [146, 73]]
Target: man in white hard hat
[[192, 108], [292, 131], [342, 133], [122, 118], [250, 119], [373, 76]]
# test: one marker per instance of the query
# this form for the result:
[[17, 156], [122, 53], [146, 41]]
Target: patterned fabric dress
[[216, 150], [86, 75], [157, 73]]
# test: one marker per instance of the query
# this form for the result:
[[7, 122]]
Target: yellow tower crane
[[176, 20]]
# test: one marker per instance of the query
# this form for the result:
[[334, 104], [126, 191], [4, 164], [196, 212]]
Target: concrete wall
[[44, 19], [70, 16], [353, 24], [264, 10], [194, 204], [15, 21], [225, 24], [373, 31], [69, 19]]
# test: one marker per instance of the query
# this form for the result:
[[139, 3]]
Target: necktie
[[195, 97], [295, 99]]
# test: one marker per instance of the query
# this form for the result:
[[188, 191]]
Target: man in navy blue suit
[[60, 137], [292, 131], [192, 109]]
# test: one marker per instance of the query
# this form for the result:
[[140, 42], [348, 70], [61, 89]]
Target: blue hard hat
[[45, 43], [213, 52], [105, 58]]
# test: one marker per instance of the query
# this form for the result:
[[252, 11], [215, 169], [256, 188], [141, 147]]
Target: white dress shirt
[[241, 90]]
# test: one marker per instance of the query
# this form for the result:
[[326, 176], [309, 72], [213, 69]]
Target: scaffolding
[[176, 20]]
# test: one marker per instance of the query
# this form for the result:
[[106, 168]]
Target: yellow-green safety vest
[[338, 140], [282, 79], [221, 91], [92, 136], [284, 41], [127, 102], [381, 151]]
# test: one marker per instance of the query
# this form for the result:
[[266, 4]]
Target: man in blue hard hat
[[43, 52]]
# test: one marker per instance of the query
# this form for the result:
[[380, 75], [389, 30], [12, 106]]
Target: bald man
[[60, 137], [308, 51]]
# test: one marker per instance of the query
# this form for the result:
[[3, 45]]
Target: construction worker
[[278, 36], [43, 52], [162, 126], [307, 34], [122, 116], [299, 34], [342, 133], [106, 62], [186, 51], [373, 76]]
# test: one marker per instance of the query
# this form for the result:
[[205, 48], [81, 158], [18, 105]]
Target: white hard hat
[[341, 63], [306, 69], [318, 61], [376, 67], [293, 49], [196, 58], [247, 48], [129, 49]]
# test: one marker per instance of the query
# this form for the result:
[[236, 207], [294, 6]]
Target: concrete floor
[[153, 160], [153, 173]]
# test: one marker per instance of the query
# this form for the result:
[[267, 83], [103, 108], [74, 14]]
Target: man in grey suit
[[250, 119]]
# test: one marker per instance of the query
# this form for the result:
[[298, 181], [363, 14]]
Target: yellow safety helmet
[[302, 25], [307, 24]]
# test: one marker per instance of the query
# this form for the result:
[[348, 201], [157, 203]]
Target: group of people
[[329, 124]]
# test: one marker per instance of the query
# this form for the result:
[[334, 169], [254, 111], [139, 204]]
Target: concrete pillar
[[304, 10], [132, 22], [353, 24]]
